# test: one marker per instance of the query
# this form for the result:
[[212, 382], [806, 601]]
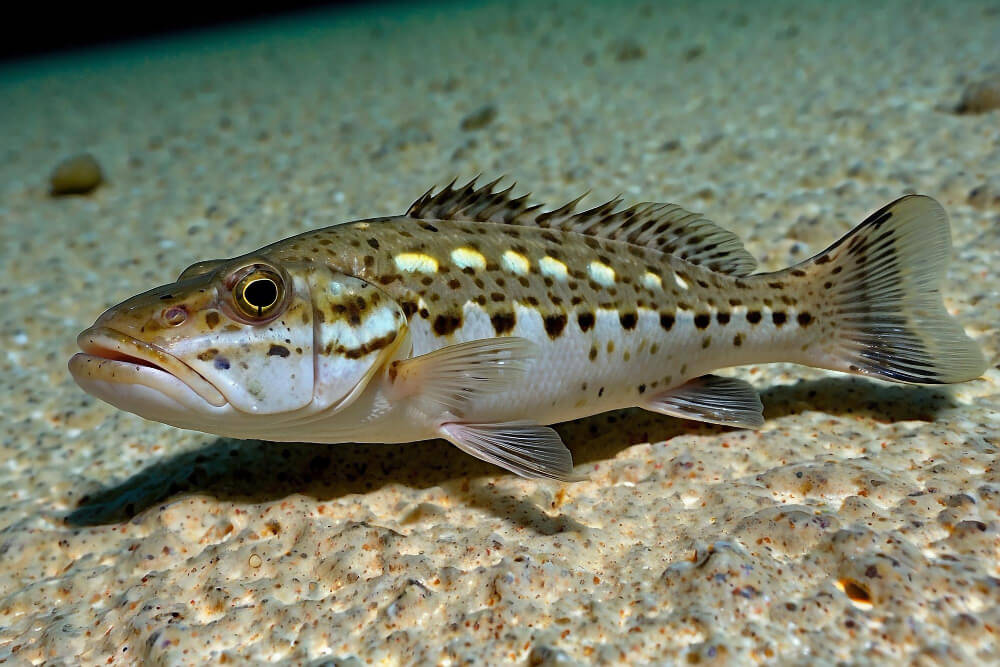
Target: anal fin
[[713, 399], [524, 448]]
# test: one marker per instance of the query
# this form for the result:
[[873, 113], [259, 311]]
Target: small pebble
[[627, 49], [77, 175], [984, 196], [479, 118], [694, 53], [980, 96]]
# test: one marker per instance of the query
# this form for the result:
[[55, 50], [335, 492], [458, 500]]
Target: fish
[[483, 319]]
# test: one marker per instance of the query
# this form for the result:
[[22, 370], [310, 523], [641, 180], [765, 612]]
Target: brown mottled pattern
[[368, 250]]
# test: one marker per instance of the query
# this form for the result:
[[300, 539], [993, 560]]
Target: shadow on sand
[[252, 471]]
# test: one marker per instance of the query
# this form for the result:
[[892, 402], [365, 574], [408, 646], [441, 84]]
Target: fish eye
[[258, 293]]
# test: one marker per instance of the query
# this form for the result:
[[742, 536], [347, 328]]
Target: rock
[[980, 96], [77, 175]]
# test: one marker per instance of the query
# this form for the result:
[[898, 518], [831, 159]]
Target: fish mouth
[[112, 356]]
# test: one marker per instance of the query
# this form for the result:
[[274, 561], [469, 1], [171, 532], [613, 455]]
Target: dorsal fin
[[664, 227]]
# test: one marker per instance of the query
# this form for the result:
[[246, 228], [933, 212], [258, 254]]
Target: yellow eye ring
[[258, 294]]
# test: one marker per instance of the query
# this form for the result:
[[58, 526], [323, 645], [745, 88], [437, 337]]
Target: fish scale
[[481, 296], [478, 318]]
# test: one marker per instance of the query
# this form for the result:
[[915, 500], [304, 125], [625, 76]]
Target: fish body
[[477, 318]]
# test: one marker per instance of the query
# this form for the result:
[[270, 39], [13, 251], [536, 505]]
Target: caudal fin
[[881, 286]]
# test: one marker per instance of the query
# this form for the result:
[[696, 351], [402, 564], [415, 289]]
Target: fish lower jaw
[[112, 357]]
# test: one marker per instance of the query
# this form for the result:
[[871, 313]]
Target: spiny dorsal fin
[[664, 227]]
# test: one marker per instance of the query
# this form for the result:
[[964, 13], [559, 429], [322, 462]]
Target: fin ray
[[522, 447], [713, 399], [448, 378], [885, 298]]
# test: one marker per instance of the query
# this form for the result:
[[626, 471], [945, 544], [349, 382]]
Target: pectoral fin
[[524, 448], [712, 399], [448, 378]]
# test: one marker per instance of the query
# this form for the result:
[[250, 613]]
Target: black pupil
[[261, 293]]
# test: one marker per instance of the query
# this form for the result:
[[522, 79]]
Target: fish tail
[[879, 293]]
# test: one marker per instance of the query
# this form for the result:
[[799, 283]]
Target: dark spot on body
[[585, 320], [628, 320], [446, 324], [593, 354], [738, 340], [667, 321], [554, 325], [778, 317], [277, 351], [503, 322], [753, 316], [373, 242], [642, 389], [221, 363], [701, 320], [805, 319], [208, 354], [212, 319], [498, 296]]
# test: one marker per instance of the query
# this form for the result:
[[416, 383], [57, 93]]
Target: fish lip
[[114, 347]]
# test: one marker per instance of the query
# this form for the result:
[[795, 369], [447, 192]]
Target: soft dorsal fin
[[664, 227]]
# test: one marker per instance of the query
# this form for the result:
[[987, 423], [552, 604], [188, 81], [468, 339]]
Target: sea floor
[[861, 524]]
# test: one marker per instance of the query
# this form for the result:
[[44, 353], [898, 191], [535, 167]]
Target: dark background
[[32, 27]]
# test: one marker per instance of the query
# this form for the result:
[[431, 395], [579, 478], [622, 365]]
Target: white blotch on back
[[416, 262], [516, 262], [602, 273], [553, 267], [680, 282], [467, 257], [652, 281]]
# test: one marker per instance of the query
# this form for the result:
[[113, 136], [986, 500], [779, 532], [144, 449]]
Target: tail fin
[[881, 286]]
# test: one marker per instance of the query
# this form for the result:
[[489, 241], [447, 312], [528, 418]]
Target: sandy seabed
[[859, 525]]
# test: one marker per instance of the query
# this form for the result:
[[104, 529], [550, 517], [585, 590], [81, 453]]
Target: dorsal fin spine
[[664, 227]]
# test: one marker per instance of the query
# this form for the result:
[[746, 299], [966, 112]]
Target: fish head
[[237, 337]]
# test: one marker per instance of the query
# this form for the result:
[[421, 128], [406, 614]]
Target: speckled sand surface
[[861, 524]]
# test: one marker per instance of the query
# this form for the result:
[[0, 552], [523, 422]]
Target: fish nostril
[[175, 315]]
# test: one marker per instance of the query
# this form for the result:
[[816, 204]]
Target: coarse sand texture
[[861, 524]]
